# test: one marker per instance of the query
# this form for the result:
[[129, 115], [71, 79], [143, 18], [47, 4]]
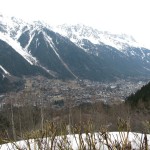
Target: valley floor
[[58, 93]]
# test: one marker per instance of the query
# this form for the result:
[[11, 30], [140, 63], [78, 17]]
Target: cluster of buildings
[[58, 93]]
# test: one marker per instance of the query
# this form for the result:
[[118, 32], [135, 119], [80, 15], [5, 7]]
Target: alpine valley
[[67, 52]]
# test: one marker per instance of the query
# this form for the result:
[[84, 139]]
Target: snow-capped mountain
[[90, 40], [79, 33], [69, 51]]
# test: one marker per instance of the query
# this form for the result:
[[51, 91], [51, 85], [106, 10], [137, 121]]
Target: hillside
[[70, 52], [141, 97]]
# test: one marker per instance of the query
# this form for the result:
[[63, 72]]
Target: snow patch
[[76, 33], [16, 46], [37, 43], [31, 38], [52, 73], [147, 69], [3, 76], [52, 45], [4, 70], [50, 42], [114, 138]]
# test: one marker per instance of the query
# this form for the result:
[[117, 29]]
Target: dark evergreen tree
[[141, 96]]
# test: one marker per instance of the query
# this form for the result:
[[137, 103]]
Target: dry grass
[[81, 137]]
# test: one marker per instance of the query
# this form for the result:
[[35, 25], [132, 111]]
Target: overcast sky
[[125, 16]]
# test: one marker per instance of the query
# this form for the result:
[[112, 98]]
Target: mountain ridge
[[71, 52], [96, 36]]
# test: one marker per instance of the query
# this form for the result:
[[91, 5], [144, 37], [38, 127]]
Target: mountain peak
[[78, 33]]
